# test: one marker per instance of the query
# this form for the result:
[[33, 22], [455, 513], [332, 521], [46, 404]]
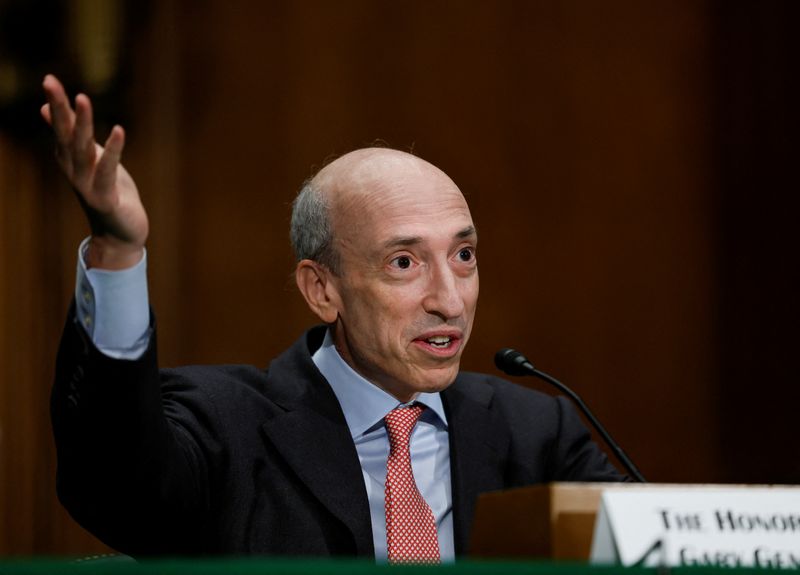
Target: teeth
[[440, 340]]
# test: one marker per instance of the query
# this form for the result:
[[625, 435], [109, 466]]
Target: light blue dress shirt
[[113, 308]]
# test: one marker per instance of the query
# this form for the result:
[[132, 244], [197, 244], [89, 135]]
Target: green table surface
[[41, 566]]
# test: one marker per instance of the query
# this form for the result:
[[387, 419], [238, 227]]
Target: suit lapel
[[478, 445], [311, 434]]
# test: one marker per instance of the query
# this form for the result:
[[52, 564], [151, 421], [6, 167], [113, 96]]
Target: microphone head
[[512, 362]]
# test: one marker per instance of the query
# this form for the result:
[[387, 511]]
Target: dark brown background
[[631, 166]]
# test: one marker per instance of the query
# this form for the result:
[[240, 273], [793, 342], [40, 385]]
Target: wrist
[[111, 254]]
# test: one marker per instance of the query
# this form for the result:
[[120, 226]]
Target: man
[[362, 439]]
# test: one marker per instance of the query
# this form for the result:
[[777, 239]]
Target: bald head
[[363, 170], [336, 204]]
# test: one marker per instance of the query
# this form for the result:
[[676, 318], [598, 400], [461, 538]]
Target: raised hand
[[106, 191]]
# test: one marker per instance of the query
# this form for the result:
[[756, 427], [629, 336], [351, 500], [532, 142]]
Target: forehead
[[397, 195]]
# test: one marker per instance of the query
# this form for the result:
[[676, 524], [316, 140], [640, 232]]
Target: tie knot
[[400, 422]]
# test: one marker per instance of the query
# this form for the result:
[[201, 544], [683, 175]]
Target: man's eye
[[402, 262], [466, 254]]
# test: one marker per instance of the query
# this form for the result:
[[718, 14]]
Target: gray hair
[[311, 231]]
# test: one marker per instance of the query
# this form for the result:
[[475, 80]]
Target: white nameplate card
[[708, 526]]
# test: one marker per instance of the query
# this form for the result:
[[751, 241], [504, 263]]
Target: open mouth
[[442, 345], [439, 341]]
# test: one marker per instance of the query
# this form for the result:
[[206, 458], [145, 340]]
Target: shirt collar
[[363, 403]]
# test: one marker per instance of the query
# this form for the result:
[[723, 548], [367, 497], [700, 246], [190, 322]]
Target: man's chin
[[437, 380]]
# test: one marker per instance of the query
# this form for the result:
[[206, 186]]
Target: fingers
[[83, 148], [45, 111], [87, 165], [62, 118], [106, 170]]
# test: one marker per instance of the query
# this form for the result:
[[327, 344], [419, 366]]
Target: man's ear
[[315, 283]]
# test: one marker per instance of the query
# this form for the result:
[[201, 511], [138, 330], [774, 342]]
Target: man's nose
[[443, 297]]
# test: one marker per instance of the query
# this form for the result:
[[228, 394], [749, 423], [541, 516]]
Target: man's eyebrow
[[402, 241], [466, 233]]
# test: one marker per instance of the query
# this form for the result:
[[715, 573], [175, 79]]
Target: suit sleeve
[[126, 472]]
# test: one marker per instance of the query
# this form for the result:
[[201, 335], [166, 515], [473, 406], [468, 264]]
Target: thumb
[[106, 172]]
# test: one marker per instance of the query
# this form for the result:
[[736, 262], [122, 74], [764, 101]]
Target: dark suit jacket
[[235, 459]]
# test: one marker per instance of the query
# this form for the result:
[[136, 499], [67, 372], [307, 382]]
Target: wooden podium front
[[553, 521]]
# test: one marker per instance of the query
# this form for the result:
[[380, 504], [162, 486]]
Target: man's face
[[409, 279]]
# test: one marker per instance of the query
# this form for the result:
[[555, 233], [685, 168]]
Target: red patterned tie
[[410, 526]]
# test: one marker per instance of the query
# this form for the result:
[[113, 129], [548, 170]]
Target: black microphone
[[512, 362]]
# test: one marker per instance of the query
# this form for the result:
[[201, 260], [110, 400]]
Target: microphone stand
[[514, 363]]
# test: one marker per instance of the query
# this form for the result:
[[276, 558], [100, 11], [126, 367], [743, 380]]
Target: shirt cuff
[[113, 307]]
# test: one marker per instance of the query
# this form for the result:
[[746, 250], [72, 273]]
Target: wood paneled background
[[631, 166]]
